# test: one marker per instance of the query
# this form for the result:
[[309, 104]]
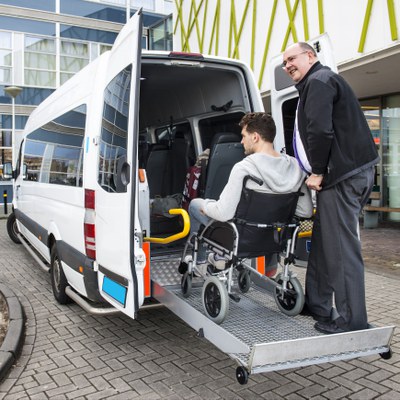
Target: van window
[[114, 129], [288, 117], [54, 152], [228, 123]]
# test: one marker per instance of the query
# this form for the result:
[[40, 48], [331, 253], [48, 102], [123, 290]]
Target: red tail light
[[89, 199], [89, 228]]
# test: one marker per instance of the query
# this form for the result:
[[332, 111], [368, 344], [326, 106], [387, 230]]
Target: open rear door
[[284, 95], [118, 253]]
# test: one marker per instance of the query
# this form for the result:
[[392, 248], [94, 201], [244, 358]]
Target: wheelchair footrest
[[234, 297]]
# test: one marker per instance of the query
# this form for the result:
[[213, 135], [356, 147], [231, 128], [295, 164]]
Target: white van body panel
[[75, 279]]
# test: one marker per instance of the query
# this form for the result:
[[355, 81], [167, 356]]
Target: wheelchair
[[264, 224]]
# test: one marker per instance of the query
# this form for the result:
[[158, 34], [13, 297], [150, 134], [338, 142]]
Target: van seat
[[225, 151], [157, 170], [181, 158]]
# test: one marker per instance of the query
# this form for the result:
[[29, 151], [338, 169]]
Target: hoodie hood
[[280, 174]]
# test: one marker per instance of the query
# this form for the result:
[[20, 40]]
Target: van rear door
[[119, 256], [284, 95]]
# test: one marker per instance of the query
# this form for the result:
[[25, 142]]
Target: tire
[[293, 300], [58, 280], [387, 355], [186, 284], [12, 228], [242, 375], [215, 299], [244, 281]]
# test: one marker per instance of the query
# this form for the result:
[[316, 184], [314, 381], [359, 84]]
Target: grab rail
[[176, 236]]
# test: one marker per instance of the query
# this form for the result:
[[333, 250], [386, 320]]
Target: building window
[[86, 34], [73, 57], [27, 25], [160, 35], [40, 61], [45, 5], [391, 153], [5, 57]]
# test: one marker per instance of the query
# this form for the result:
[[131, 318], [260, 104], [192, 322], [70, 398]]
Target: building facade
[[45, 42], [365, 39]]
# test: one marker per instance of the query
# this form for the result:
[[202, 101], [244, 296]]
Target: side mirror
[[7, 171]]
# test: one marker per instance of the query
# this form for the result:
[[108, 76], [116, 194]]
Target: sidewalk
[[381, 249]]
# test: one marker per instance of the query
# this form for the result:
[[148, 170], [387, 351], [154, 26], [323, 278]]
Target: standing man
[[334, 145]]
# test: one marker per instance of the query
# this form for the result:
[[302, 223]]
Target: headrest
[[179, 135], [224, 137]]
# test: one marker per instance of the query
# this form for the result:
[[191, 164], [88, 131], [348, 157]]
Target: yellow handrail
[[304, 234], [176, 236]]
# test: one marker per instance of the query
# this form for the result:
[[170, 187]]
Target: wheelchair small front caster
[[215, 299], [242, 375], [244, 281], [291, 301], [186, 284], [387, 355]]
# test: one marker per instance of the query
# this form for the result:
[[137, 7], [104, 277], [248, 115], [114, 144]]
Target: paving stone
[[69, 354]]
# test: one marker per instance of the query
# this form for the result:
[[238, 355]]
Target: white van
[[79, 202]]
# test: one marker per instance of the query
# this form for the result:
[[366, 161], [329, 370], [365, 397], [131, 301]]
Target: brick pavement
[[69, 354]]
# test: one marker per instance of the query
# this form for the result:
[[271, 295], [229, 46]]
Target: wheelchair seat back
[[256, 209]]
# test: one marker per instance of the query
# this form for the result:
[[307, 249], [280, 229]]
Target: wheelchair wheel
[[290, 302], [215, 299], [186, 284], [244, 281]]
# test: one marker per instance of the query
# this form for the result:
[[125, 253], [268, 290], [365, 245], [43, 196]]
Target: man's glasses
[[291, 59]]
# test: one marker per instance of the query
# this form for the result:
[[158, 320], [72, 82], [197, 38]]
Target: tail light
[[89, 224]]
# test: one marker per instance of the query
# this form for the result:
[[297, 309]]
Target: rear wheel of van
[[58, 280], [12, 228]]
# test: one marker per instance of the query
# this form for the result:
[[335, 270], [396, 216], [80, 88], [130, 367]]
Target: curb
[[14, 339]]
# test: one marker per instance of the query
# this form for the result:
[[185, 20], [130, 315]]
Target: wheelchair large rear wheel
[[291, 301], [215, 299]]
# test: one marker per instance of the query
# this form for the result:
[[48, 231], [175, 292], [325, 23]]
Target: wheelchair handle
[[259, 181]]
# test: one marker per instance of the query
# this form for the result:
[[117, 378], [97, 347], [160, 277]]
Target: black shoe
[[307, 312], [328, 327]]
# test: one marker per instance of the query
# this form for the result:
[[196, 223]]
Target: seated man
[[279, 172]]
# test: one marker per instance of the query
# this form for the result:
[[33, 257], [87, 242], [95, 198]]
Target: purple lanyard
[[296, 154]]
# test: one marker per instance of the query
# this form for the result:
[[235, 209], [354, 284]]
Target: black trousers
[[335, 266]]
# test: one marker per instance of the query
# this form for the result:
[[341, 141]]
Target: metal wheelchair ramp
[[259, 336]]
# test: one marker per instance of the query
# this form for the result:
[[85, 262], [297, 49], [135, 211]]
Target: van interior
[[187, 107]]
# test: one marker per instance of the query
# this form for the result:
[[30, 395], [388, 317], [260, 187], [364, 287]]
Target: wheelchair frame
[[219, 287]]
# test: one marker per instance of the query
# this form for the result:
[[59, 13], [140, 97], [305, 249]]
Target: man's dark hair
[[306, 47], [261, 123]]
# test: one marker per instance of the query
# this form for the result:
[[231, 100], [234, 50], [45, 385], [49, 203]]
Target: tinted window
[[114, 133], [54, 152]]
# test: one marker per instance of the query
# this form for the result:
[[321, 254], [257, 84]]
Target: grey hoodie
[[280, 175]]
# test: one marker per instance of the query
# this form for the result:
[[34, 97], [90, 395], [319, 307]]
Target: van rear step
[[257, 335]]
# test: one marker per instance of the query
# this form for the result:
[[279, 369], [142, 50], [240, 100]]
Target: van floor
[[175, 248]]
